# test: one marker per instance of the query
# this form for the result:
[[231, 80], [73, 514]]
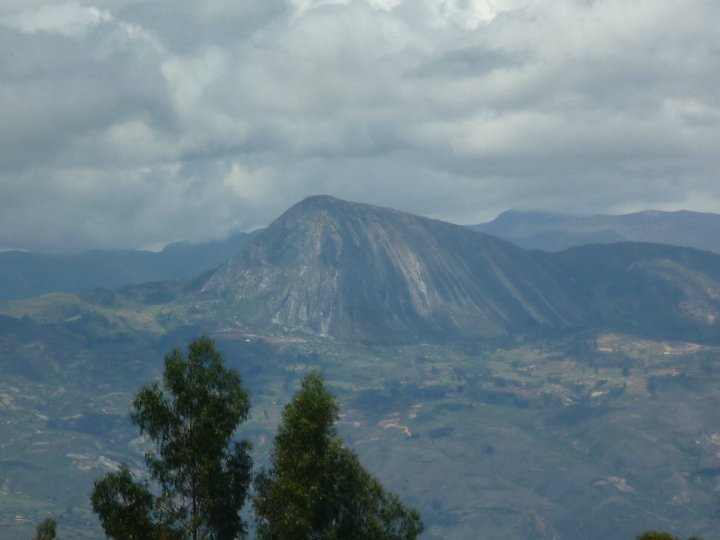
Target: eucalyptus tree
[[46, 530], [655, 535], [316, 488], [198, 476]]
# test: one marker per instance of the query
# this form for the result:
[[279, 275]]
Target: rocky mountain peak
[[367, 273]]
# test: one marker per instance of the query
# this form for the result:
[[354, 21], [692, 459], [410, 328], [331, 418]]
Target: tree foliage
[[654, 535], [46, 530], [125, 507], [315, 487], [199, 476]]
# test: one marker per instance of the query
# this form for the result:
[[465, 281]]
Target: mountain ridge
[[26, 274], [551, 231]]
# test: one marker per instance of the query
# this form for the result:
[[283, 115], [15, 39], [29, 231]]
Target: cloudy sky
[[127, 123]]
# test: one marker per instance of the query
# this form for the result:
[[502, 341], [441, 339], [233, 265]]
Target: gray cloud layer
[[127, 124]]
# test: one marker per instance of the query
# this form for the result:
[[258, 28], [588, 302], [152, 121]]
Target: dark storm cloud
[[131, 123]]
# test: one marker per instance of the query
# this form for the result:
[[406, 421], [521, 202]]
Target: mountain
[[365, 273], [555, 232], [27, 274], [368, 274]]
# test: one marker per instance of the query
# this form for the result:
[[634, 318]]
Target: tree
[[200, 477], [654, 535], [125, 507], [46, 530], [315, 487]]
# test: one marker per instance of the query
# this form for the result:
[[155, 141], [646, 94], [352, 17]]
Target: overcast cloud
[[126, 123]]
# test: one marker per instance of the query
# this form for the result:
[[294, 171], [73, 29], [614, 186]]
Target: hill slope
[[665, 292]]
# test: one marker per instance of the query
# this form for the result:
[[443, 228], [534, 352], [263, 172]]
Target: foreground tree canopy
[[654, 535], [46, 530], [199, 476], [315, 487]]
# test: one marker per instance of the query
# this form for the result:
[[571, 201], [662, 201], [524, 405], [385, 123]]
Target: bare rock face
[[365, 273]]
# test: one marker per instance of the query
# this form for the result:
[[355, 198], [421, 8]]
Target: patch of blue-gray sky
[[129, 123]]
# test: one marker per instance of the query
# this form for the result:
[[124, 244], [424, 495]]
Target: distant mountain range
[[555, 232], [366, 274], [26, 274]]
